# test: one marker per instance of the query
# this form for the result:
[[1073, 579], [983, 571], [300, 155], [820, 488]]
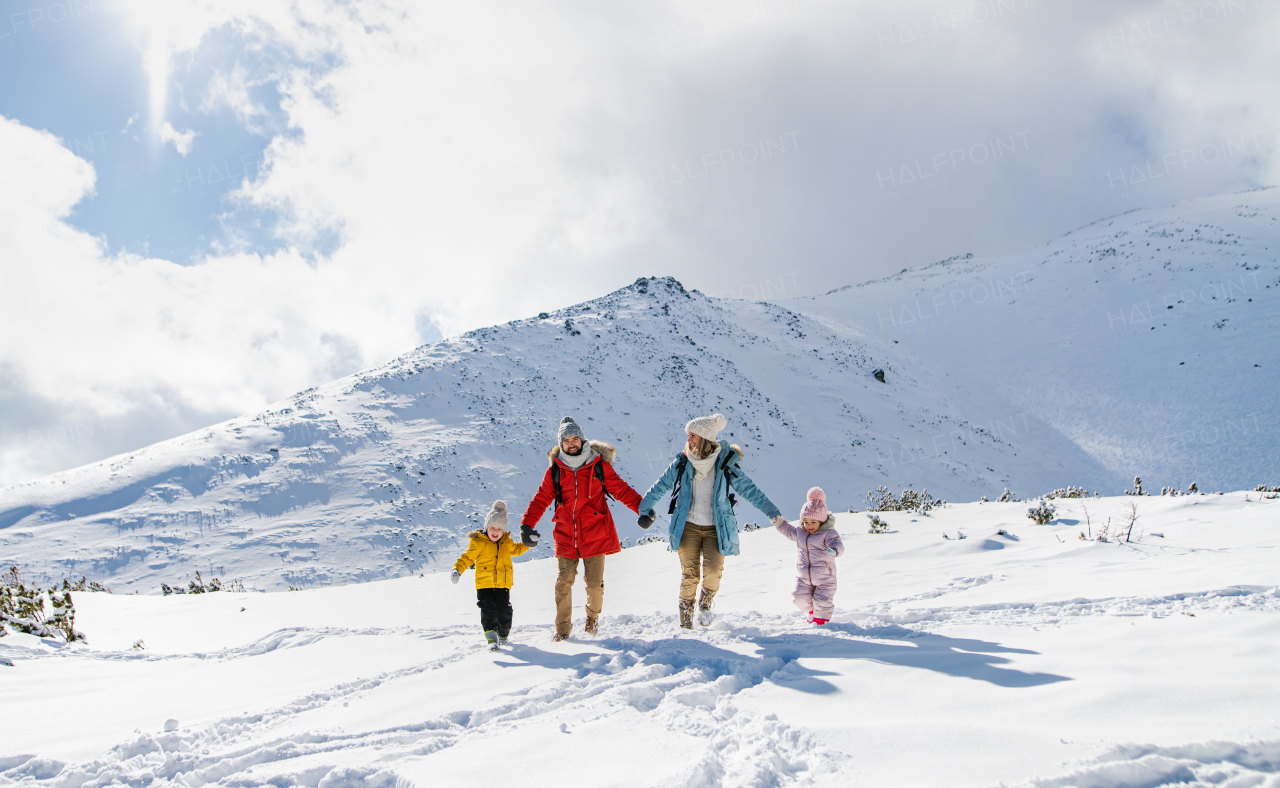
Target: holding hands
[[778, 519], [645, 520], [528, 536]]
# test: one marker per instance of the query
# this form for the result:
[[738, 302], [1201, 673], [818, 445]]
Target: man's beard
[[574, 452]]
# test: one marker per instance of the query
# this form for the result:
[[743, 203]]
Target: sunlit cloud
[[182, 141], [158, 77]]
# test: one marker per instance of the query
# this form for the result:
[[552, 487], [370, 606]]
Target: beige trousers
[[593, 573], [698, 544]]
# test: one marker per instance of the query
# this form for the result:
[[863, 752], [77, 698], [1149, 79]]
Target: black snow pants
[[495, 610]]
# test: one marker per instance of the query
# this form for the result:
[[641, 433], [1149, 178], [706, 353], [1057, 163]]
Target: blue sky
[[72, 69]]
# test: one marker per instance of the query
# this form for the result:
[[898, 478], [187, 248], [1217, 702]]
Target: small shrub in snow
[[649, 540], [1137, 487], [921, 502], [1262, 488], [1007, 497], [1068, 492], [882, 500], [22, 608], [878, 526], [198, 586], [1133, 518], [1104, 532], [910, 501], [750, 527], [1042, 514]]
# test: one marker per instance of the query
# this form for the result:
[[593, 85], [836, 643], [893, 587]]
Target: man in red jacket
[[577, 481]]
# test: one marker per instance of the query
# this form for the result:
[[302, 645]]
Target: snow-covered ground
[[1145, 344], [1028, 657]]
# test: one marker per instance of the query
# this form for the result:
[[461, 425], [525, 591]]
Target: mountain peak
[[1085, 365]]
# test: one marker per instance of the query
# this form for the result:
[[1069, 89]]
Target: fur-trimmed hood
[[737, 480], [827, 526], [606, 452]]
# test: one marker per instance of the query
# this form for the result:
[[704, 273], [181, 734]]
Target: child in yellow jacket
[[490, 552]]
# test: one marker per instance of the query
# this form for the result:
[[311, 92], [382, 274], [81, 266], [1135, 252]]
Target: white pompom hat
[[707, 426]]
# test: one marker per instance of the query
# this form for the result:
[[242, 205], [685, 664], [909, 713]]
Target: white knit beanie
[[707, 426], [497, 516]]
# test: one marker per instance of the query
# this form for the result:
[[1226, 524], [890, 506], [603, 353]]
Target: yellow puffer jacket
[[492, 559]]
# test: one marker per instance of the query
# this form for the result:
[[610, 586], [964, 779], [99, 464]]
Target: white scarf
[[574, 463], [702, 467]]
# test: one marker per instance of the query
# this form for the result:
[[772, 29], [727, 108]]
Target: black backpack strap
[[681, 461], [600, 475], [555, 482], [728, 478]]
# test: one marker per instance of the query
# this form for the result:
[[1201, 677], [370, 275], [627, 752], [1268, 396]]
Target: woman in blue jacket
[[703, 527]]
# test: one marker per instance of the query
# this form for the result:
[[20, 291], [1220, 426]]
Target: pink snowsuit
[[816, 584]]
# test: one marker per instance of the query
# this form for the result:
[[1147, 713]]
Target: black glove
[[528, 536], [646, 520]]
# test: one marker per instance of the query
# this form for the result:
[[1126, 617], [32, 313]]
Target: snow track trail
[[683, 683], [644, 669], [1048, 662]]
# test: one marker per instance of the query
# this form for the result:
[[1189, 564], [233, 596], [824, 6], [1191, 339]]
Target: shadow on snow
[[777, 657]]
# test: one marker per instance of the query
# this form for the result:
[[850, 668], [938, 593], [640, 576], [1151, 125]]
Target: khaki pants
[[698, 542], [593, 572]]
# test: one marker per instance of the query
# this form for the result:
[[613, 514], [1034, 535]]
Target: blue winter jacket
[[726, 522]]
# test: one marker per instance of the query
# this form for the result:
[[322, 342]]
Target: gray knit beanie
[[568, 427], [497, 516]]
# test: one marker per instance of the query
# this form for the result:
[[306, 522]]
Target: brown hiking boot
[[557, 637], [686, 614], [592, 626], [705, 616]]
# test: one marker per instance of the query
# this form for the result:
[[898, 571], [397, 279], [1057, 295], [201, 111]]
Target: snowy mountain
[[1021, 655], [1143, 344]]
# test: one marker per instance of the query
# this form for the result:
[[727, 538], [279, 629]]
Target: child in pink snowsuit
[[819, 546]]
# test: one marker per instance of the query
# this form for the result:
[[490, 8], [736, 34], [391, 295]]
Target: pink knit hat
[[816, 507]]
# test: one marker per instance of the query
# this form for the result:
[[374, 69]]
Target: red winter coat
[[583, 526]]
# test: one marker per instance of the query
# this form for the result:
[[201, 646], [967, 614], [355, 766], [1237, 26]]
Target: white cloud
[[128, 342], [482, 161], [182, 142], [232, 91]]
